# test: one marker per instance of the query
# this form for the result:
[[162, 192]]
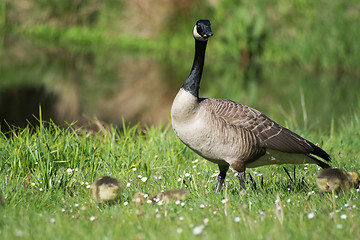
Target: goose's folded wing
[[269, 133]]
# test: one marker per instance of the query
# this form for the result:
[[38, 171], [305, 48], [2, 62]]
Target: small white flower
[[126, 203], [159, 177], [36, 163], [128, 184], [343, 216], [139, 176], [339, 226], [93, 218], [158, 215], [179, 179], [82, 183], [179, 230], [148, 201], [52, 220], [76, 204], [69, 171], [134, 169], [187, 174], [194, 166], [198, 229], [63, 210], [182, 204], [305, 168], [33, 184], [202, 206], [181, 218], [146, 195], [237, 219], [214, 175], [41, 189], [206, 221], [346, 205], [288, 200], [214, 212], [144, 179], [223, 201], [311, 215], [177, 202]]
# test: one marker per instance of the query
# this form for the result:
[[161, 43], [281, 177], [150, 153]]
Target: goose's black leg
[[241, 176], [221, 177]]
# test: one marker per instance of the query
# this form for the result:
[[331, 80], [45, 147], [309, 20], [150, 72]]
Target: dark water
[[112, 86]]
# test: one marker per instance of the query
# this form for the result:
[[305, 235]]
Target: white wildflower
[[198, 229], [311, 215]]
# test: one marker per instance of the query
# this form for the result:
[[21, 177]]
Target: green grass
[[45, 172]]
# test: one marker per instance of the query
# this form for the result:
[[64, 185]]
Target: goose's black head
[[202, 30]]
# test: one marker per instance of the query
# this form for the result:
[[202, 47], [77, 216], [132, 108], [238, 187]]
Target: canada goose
[[337, 180], [105, 189], [231, 134], [170, 195]]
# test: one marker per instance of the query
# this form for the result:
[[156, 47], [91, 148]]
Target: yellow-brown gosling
[[170, 195], [232, 134], [337, 180], [105, 189], [139, 198]]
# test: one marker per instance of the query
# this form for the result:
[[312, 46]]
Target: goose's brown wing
[[269, 133]]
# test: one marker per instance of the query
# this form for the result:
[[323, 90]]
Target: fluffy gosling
[[170, 195], [105, 189], [337, 180], [138, 198]]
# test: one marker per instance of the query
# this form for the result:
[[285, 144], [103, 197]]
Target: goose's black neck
[[193, 82]]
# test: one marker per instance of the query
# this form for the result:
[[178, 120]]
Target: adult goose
[[231, 134]]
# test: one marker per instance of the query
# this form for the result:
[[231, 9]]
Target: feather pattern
[[268, 133]]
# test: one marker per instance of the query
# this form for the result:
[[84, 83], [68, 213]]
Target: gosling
[[170, 195], [105, 189], [336, 180]]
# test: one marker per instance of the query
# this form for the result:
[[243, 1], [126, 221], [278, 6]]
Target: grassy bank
[[45, 173]]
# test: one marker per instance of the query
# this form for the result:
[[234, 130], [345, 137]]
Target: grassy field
[[46, 171]]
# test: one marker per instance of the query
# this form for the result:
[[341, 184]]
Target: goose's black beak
[[207, 33]]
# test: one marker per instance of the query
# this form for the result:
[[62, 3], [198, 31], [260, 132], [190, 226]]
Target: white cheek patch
[[197, 36]]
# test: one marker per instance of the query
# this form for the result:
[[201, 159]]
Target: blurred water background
[[107, 61]]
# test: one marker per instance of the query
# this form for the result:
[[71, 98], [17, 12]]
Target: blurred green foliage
[[315, 34]]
